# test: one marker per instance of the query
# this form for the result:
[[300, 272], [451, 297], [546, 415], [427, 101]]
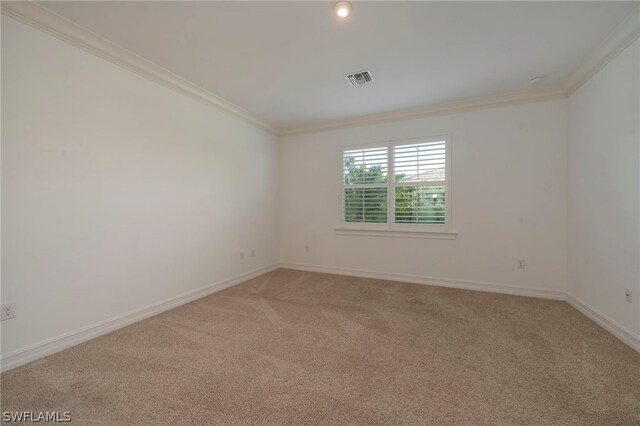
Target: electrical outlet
[[627, 294], [521, 264], [307, 248], [253, 253], [8, 311], [241, 255]]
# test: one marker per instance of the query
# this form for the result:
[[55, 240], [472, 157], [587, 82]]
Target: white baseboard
[[622, 333], [626, 336], [545, 293], [56, 344], [48, 347]]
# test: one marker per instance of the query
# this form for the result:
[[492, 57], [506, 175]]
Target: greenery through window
[[415, 195]]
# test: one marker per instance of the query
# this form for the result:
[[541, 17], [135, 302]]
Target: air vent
[[360, 78]]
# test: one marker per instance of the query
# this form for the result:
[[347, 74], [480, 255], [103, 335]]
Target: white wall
[[604, 191], [118, 192], [509, 199]]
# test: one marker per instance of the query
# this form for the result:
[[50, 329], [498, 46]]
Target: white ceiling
[[285, 62]]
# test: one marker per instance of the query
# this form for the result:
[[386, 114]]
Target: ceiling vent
[[360, 78]]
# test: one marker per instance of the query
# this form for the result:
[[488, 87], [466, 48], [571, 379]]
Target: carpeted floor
[[303, 348]]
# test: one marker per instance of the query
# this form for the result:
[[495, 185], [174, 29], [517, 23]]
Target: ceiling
[[285, 62]]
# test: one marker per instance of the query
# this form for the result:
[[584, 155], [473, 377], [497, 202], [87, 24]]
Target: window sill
[[439, 235]]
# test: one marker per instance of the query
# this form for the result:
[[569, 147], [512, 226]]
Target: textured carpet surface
[[294, 347]]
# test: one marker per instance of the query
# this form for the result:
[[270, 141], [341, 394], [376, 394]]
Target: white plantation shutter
[[365, 159], [421, 162], [420, 182], [407, 178], [365, 192], [367, 205]]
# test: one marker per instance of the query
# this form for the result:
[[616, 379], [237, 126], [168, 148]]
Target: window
[[402, 185], [365, 180]]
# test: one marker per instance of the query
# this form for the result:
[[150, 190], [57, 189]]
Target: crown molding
[[492, 101], [622, 36], [619, 39], [45, 20]]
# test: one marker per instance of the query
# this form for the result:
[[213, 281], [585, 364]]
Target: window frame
[[391, 227]]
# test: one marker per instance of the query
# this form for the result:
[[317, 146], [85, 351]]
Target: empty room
[[320, 212]]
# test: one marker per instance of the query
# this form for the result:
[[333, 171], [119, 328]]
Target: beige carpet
[[303, 348]]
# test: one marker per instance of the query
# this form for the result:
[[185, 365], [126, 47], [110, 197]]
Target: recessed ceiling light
[[536, 80], [342, 9]]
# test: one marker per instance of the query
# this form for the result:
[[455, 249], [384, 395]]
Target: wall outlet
[[253, 253], [307, 248], [241, 255], [521, 264], [8, 311], [627, 294]]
